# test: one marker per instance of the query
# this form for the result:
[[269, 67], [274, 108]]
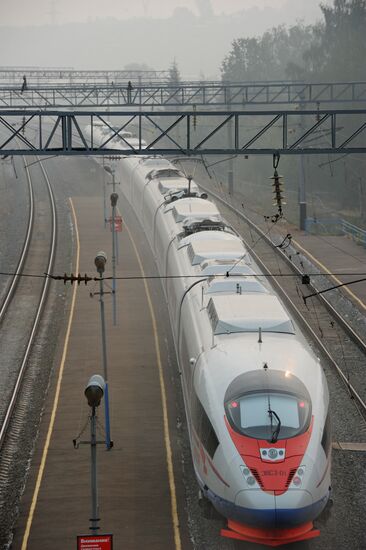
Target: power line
[[85, 278]]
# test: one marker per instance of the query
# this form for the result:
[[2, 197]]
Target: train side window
[[203, 426], [326, 438]]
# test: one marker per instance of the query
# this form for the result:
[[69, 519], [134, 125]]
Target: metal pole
[[114, 266], [230, 175], [116, 234], [94, 490], [302, 194], [302, 187], [105, 364], [114, 198], [104, 198]]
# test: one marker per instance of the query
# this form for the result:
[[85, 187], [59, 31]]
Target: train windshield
[[270, 416], [279, 411]]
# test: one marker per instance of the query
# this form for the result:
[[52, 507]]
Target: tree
[[333, 49], [266, 57], [174, 74], [338, 51], [138, 67]]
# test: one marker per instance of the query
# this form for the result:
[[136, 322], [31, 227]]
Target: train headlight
[[296, 481], [299, 476], [251, 481], [273, 453]]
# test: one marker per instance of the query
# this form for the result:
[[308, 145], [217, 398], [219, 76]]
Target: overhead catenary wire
[[190, 276]]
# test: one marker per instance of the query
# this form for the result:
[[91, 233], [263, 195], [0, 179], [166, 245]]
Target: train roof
[[194, 208], [238, 285], [223, 249], [177, 184], [248, 313], [219, 235], [222, 267]]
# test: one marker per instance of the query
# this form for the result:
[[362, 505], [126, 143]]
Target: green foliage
[[339, 47], [266, 57], [333, 49], [174, 74]]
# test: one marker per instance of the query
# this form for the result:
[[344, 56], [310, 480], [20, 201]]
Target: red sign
[[95, 542], [117, 223]]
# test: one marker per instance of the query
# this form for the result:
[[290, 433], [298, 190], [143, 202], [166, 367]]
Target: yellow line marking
[[168, 447], [338, 281], [56, 398], [349, 446]]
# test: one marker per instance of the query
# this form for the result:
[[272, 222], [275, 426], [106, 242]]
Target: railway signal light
[[94, 390], [100, 261], [114, 199]]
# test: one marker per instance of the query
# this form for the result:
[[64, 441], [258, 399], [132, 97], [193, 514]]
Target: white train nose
[[294, 498], [256, 507], [255, 498], [266, 510]]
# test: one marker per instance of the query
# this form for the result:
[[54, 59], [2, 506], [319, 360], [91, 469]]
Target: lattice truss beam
[[67, 76], [185, 133], [188, 94]]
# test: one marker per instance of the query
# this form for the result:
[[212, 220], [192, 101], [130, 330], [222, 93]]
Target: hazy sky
[[30, 12], [39, 32]]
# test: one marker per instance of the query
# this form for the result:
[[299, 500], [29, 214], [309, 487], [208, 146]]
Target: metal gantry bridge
[[187, 94], [11, 76], [190, 133]]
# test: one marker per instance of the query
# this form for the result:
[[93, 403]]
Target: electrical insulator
[[277, 191], [194, 117]]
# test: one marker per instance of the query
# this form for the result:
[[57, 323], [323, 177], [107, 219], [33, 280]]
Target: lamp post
[[114, 199], [94, 392], [302, 181], [100, 261], [104, 196], [230, 175]]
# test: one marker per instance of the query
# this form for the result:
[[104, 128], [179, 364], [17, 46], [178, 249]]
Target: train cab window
[[267, 405], [164, 173], [261, 415], [203, 426], [326, 437]]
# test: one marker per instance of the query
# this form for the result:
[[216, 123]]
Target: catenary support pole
[[94, 487], [100, 262]]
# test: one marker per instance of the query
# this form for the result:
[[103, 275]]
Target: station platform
[[139, 480]]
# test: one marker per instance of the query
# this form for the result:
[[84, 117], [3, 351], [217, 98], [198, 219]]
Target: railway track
[[21, 342], [24, 300], [335, 337]]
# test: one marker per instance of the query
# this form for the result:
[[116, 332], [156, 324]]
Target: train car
[[112, 136], [255, 395]]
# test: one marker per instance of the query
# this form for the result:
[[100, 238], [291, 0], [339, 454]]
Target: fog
[[90, 34]]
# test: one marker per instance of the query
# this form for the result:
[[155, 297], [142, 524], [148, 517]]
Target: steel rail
[[354, 336], [23, 255], [51, 257]]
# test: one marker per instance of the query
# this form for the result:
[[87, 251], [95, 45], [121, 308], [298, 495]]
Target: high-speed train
[[255, 394], [114, 137]]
